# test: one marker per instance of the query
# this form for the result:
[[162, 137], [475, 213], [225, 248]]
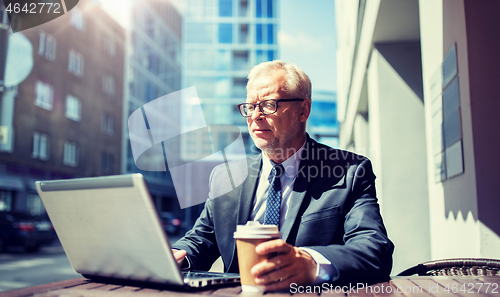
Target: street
[[19, 269]]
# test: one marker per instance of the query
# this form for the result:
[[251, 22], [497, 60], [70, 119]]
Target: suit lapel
[[296, 200], [248, 189], [245, 200], [299, 191]]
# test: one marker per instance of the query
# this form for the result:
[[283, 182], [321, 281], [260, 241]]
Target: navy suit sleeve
[[200, 242], [366, 254]]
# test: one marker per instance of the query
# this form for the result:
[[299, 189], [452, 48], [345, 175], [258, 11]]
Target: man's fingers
[[283, 284], [276, 275], [270, 265], [273, 246], [179, 255], [280, 271]]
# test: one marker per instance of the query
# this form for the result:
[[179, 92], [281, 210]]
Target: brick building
[[67, 114]]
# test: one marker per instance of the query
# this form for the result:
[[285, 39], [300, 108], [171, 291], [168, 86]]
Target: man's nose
[[257, 113]]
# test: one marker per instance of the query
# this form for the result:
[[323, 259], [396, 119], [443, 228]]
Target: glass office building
[[322, 124], [222, 41], [153, 70]]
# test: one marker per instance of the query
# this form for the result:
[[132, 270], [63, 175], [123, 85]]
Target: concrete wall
[[426, 218], [397, 133], [464, 209], [483, 48]]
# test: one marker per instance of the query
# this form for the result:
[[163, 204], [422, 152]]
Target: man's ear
[[305, 110]]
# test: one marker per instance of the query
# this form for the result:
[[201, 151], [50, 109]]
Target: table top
[[414, 286]]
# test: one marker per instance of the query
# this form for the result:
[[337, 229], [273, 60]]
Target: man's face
[[281, 130]]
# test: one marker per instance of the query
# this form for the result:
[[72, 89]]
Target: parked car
[[22, 229], [171, 224]]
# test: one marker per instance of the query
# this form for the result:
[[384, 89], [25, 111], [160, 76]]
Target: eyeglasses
[[266, 107]]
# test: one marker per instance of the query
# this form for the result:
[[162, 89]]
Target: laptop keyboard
[[201, 274]]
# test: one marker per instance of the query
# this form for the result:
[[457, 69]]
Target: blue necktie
[[273, 203]]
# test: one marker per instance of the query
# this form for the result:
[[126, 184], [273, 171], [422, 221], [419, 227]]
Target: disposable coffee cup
[[247, 238]]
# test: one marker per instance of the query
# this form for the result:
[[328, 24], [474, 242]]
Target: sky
[[307, 36]]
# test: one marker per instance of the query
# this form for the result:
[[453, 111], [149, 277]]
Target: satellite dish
[[19, 59]]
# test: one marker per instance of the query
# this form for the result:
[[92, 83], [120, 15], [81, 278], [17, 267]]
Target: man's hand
[[179, 256], [290, 265]]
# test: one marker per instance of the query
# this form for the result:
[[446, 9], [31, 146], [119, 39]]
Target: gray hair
[[297, 85]]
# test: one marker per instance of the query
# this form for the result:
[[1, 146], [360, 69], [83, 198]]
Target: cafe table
[[408, 286]]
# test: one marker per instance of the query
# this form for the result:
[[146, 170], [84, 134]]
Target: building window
[[240, 60], [47, 46], [70, 156], [44, 95], [239, 88], [41, 146], [270, 33], [269, 8], [107, 124], [270, 55], [259, 58], [73, 108], [222, 87], [243, 36], [6, 200], [225, 33], [108, 84], [77, 19], [258, 8], [107, 163], [258, 34], [225, 8], [75, 63], [34, 204], [243, 9], [110, 46]]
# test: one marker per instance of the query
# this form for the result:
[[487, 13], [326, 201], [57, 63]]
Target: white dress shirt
[[325, 271]]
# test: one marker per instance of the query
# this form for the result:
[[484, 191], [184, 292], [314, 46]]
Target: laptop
[[110, 230]]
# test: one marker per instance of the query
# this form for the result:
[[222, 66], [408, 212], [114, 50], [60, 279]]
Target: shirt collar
[[291, 164]]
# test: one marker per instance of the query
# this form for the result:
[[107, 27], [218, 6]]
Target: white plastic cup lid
[[255, 230]]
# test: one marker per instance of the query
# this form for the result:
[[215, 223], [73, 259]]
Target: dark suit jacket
[[333, 209]]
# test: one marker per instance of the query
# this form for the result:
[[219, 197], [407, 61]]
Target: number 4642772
[[472, 288], [34, 8]]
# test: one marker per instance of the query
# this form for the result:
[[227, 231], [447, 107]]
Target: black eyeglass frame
[[260, 107]]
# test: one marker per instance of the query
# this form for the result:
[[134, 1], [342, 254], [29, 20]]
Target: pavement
[[19, 269]]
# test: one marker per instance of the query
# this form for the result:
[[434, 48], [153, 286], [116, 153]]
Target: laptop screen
[[109, 227]]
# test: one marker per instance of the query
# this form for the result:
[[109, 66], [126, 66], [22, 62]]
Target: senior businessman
[[322, 199]]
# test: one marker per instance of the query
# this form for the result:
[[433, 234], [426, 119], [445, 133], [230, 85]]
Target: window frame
[[41, 146], [70, 153], [109, 84], [108, 124], [107, 163], [77, 19], [47, 46], [110, 46], [73, 110], [75, 63], [44, 95]]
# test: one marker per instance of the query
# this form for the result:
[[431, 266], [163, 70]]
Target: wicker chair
[[456, 267]]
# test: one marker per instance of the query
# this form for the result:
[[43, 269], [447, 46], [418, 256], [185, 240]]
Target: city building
[[222, 41], [322, 124], [417, 82], [153, 70], [64, 120]]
